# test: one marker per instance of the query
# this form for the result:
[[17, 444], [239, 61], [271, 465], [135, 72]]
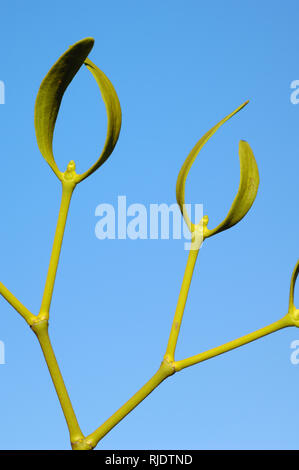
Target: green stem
[[166, 369], [41, 330], [17, 305], [190, 361], [67, 191], [178, 316]]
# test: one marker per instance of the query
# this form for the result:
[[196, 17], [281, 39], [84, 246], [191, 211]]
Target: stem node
[[82, 444]]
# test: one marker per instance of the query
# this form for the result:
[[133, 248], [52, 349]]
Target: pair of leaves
[[248, 187], [49, 99], [249, 182]]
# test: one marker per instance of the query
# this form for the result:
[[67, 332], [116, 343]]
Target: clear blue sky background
[[178, 68]]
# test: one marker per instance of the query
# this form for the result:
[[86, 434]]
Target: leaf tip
[[89, 41], [243, 105], [243, 144]]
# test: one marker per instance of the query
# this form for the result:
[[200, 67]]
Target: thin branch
[[67, 191], [190, 361], [17, 305], [178, 316], [166, 369], [41, 330]]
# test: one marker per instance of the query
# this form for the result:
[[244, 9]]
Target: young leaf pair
[[49, 99], [249, 182]]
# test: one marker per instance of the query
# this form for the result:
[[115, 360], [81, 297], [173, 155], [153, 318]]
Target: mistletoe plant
[[46, 110]]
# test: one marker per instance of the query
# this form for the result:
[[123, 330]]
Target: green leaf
[[50, 95], [292, 307], [249, 182], [113, 110]]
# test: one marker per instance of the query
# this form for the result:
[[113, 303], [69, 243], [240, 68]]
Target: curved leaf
[[50, 95], [292, 287], [113, 110], [249, 182], [181, 181]]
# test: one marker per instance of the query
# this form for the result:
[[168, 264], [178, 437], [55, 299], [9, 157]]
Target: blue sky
[[178, 68]]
